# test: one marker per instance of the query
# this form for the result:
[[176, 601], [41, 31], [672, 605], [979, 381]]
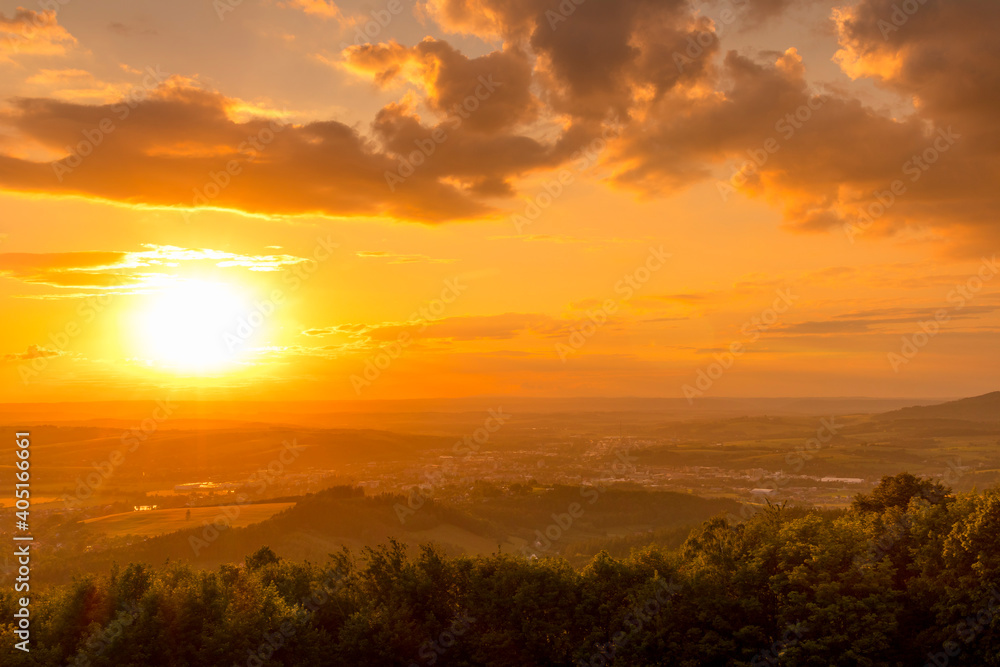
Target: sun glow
[[191, 326]]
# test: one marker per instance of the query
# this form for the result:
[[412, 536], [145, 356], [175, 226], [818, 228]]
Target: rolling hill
[[985, 408], [324, 522]]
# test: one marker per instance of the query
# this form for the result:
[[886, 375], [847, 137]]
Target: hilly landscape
[[566, 494], [310, 491]]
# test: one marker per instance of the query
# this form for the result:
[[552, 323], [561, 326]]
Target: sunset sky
[[291, 199]]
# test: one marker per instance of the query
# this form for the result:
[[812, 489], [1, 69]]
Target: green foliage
[[910, 575], [261, 558], [897, 491]]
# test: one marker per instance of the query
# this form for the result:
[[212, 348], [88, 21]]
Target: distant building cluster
[[204, 486]]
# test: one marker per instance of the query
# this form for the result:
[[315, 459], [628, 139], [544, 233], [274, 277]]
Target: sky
[[296, 199]]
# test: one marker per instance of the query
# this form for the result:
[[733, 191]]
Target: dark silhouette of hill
[[985, 408], [426, 415]]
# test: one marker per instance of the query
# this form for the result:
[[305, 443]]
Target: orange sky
[[296, 199]]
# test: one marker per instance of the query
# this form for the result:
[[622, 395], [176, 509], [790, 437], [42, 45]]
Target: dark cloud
[[881, 320], [174, 149], [685, 113], [497, 84], [687, 120], [127, 30], [945, 56]]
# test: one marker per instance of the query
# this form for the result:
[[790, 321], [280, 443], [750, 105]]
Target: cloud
[[946, 58], [885, 320], [66, 269], [685, 138], [33, 352], [33, 33], [321, 8], [54, 76], [111, 269], [824, 158], [752, 13], [600, 58], [76, 85], [484, 163], [593, 243], [484, 130], [688, 118], [394, 258], [498, 84], [753, 122], [485, 18], [164, 150], [170, 255], [127, 30], [689, 299], [467, 328]]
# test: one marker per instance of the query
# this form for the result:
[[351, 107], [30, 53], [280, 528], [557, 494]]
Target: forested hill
[[909, 575]]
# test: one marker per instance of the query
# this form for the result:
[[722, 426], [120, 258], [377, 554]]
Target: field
[[161, 522], [9, 501]]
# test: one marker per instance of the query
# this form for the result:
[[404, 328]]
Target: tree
[[897, 492], [261, 558]]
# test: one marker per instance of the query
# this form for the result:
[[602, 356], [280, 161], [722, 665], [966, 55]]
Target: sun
[[190, 326]]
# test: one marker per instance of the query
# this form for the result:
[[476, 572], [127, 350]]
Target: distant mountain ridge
[[985, 408], [409, 415]]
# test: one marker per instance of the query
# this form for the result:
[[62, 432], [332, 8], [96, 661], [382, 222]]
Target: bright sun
[[190, 326]]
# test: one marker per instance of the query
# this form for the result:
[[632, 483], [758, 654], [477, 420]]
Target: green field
[[161, 522]]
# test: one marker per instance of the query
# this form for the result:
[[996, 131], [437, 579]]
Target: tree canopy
[[908, 575]]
